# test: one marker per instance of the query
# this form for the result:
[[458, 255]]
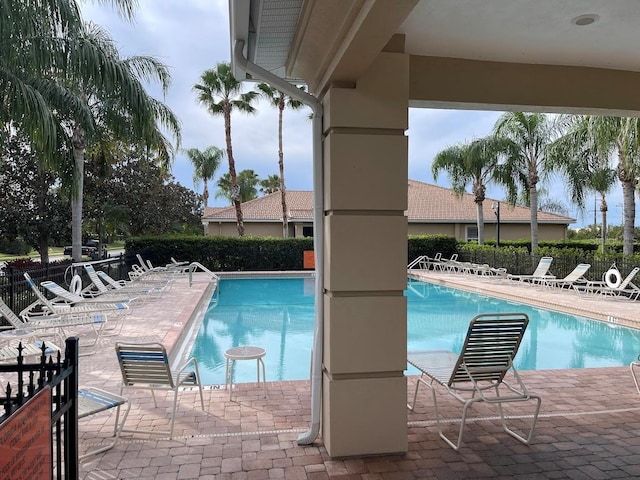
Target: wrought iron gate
[[59, 376]]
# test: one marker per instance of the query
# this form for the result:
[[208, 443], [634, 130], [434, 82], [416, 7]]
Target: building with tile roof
[[431, 210]]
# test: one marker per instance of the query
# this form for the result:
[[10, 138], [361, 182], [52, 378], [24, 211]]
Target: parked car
[[95, 243], [86, 250]]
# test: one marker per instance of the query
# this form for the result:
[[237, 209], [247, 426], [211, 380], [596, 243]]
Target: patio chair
[[144, 290], [43, 313], [576, 276], [178, 266], [478, 373], [62, 295], [92, 401], [541, 271], [449, 264], [424, 262], [146, 366], [625, 289], [102, 284], [18, 330]]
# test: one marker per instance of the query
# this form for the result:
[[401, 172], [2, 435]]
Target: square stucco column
[[365, 154]]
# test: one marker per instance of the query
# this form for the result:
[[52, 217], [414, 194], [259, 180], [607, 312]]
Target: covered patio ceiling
[[324, 42]]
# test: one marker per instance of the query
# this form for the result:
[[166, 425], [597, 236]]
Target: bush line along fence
[[221, 254]]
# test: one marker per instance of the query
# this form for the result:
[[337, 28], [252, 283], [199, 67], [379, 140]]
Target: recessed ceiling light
[[586, 19]]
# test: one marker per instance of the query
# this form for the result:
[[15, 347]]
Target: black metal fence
[[524, 264], [60, 377], [16, 293]]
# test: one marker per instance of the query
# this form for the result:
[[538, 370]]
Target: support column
[[366, 165]]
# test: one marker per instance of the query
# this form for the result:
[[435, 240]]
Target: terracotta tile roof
[[431, 203], [267, 208], [427, 204]]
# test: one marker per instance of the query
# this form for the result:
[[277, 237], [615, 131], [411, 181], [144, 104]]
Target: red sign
[[25, 440], [308, 260]]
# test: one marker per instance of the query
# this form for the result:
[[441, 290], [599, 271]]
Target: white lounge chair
[[151, 290], [43, 313], [479, 372], [102, 284], [449, 264], [541, 272], [24, 338], [116, 301], [576, 276], [626, 289]]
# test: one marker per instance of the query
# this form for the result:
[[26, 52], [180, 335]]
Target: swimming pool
[[277, 314]]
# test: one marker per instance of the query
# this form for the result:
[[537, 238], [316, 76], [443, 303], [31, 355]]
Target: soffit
[[333, 40]]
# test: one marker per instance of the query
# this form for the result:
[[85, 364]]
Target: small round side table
[[247, 352]]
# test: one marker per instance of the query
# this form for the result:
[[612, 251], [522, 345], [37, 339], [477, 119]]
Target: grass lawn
[[53, 252]]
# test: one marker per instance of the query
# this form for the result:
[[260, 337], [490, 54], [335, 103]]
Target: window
[[307, 231], [472, 233]]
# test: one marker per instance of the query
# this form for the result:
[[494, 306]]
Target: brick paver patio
[[588, 426]]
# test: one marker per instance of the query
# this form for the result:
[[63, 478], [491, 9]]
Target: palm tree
[[219, 92], [121, 109], [40, 52], [247, 180], [205, 163], [270, 184], [474, 163], [63, 83], [530, 134], [280, 100], [585, 165]]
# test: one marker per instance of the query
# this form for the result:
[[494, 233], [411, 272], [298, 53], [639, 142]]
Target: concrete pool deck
[[588, 427]]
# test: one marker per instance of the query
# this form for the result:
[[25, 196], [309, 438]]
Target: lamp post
[[496, 209]]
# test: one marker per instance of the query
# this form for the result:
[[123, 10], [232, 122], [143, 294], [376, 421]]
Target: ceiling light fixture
[[586, 19]]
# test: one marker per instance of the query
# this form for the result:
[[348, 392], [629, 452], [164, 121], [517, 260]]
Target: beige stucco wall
[[546, 232], [261, 229]]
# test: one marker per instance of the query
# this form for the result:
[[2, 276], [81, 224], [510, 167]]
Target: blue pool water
[[277, 314]]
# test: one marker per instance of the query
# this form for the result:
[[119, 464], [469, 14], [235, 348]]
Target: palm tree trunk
[[480, 215], [79, 141], [205, 194], [43, 233], [235, 190], [603, 211], [629, 202], [533, 207], [283, 193]]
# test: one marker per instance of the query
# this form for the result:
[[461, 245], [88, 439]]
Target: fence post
[[71, 415], [12, 288]]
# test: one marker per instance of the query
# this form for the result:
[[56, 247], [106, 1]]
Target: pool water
[[277, 314]]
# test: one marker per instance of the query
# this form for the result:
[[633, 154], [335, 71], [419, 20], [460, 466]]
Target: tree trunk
[[480, 220], [205, 195], [603, 211], [533, 207], [283, 193], [79, 141], [235, 189], [628, 183], [43, 233], [629, 215]]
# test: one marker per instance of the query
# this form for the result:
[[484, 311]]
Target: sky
[[191, 36]]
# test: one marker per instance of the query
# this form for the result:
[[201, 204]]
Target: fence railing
[[16, 293], [524, 264]]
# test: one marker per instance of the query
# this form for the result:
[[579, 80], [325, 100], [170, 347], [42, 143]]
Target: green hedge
[[430, 245], [230, 254], [224, 254]]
